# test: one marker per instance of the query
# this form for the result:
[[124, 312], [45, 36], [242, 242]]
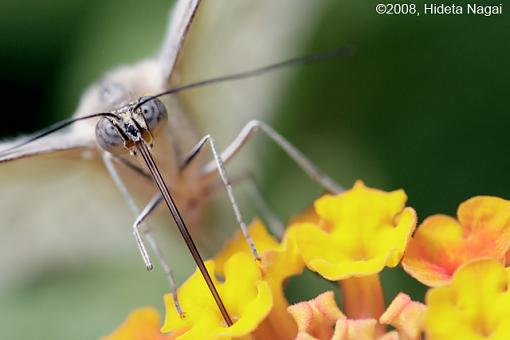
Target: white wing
[[55, 207], [232, 36], [58, 201], [179, 24]]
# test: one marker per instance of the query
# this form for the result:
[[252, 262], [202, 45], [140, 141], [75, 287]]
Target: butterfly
[[195, 39]]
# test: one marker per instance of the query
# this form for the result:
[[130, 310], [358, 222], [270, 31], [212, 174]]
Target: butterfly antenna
[[303, 60], [51, 129]]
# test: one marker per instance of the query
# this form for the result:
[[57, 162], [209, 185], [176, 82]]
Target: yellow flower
[[475, 305], [278, 262], [262, 239], [321, 319], [359, 233], [141, 324], [245, 295], [442, 244], [350, 237], [364, 230]]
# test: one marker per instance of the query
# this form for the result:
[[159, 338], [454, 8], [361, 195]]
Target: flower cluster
[[349, 239]]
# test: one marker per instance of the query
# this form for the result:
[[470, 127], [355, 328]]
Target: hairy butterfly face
[[137, 121]]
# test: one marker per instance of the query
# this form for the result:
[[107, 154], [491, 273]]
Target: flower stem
[[363, 298]]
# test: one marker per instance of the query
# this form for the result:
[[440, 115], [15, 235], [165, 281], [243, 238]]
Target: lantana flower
[[475, 305], [442, 244], [279, 261], [359, 232], [362, 231], [321, 319], [246, 296], [350, 238]]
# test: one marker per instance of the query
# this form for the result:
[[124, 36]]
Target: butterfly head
[[138, 121]]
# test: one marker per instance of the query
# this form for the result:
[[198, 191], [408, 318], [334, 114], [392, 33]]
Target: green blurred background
[[422, 105]]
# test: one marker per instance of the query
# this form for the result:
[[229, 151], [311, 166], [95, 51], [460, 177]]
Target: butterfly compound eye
[[154, 112], [108, 137]]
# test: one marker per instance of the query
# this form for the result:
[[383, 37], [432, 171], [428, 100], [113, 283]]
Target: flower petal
[[347, 329], [365, 230], [441, 244], [278, 262], [316, 317], [141, 324], [475, 305], [262, 239], [247, 298], [406, 316]]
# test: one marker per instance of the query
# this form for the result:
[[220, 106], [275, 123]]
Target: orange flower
[[321, 319], [406, 315], [442, 244], [141, 324], [316, 318], [475, 305]]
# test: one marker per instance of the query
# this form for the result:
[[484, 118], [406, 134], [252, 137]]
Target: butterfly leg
[[107, 159], [149, 208], [138, 226], [220, 167], [304, 163]]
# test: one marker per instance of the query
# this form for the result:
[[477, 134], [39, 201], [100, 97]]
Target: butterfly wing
[[56, 142], [56, 191], [54, 197], [181, 17], [233, 36]]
